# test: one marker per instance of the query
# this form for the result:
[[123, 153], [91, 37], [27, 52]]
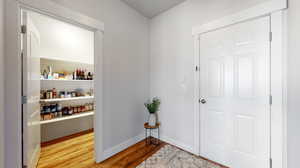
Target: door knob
[[203, 101]]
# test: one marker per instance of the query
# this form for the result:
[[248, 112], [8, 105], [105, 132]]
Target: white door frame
[[13, 104], [274, 9]]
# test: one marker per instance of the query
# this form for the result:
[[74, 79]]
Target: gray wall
[[293, 84], [126, 71], [126, 49], [172, 62], [1, 83]]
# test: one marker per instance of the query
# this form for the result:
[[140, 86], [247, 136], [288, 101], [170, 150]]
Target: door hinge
[[271, 163], [24, 99], [197, 68], [23, 29], [271, 36], [270, 99]]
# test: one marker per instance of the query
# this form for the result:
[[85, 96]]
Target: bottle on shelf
[[51, 111], [77, 74], [55, 94]]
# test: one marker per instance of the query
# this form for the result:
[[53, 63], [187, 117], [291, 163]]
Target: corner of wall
[[2, 18], [120, 147], [178, 144]]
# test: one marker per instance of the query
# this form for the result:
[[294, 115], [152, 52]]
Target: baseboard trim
[[122, 146], [178, 144]]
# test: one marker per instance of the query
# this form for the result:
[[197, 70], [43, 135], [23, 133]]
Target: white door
[[31, 89], [235, 87]]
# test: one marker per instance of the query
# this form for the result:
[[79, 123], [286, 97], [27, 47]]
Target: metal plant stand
[[149, 129]]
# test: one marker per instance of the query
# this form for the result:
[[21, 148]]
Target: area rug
[[172, 157]]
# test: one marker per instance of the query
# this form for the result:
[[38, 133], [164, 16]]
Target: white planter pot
[[152, 120]]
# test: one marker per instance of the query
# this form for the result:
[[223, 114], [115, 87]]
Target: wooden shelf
[[64, 80], [84, 114], [66, 60], [147, 126], [66, 99]]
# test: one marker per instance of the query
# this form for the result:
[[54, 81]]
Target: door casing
[[13, 65]]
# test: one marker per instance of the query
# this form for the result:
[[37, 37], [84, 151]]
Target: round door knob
[[203, 101]]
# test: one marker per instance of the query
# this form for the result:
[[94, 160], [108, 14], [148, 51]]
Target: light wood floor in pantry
[[77, 151]]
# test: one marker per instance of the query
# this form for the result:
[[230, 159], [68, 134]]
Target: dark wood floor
[[77, 151]]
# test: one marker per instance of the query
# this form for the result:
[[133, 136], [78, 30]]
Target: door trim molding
[[61, 13], [262, 9], [13, 103], [278, 77], [278, 91]]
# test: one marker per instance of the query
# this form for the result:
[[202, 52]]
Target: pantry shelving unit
[[78, 121], [66, 99], [83, 114], [87, 61]]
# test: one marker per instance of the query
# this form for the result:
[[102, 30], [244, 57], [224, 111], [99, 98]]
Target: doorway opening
[[57, 87]]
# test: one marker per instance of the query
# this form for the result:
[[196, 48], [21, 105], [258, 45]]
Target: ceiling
[[151, 8]]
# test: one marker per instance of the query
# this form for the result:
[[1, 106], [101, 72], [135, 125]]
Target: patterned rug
[[172, 157]]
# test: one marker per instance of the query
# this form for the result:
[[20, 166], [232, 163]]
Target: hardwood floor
[[77, 151]]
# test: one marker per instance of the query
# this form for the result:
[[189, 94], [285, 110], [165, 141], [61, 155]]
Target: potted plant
[[152, 107]]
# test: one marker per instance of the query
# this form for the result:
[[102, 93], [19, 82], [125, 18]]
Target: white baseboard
[[122, 146], [178, 144], [175, 142]]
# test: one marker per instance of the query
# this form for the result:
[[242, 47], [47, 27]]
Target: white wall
[[63, 41], [293, 84], [126, 71], [64, 128], [171, 55], [1, 84]]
